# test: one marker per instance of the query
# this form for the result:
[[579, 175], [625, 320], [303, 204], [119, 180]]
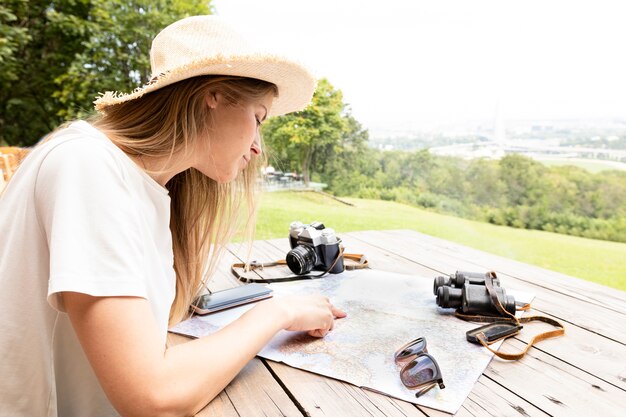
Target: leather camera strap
[[510, 318], [360, 259]]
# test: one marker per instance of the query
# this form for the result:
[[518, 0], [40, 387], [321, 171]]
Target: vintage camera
[[313, 246], [467, 292]]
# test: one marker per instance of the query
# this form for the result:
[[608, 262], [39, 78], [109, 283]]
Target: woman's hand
[[311, 313]]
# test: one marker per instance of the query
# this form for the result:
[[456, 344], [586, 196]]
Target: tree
[[12, 38], [39, 46], [347, 166], [486, 187], [523, 179], [297, 137], [55, 57]]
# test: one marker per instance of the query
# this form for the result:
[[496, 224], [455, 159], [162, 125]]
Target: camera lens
[[301, 259]]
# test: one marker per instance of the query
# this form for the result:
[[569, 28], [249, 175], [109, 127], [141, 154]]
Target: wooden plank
[[597, 319], [587, 290], [256, 392], [556, 387], [222, 278], [220, 406], [489, 398], [582, 349], [322, 396], [408, 409]]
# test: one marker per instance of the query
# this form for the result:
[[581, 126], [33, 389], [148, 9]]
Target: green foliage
[[522, 179], [515, 191], [12, 38], [65, 52], [306, 139]]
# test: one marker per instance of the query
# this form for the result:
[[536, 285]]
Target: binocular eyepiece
[[467, 291]]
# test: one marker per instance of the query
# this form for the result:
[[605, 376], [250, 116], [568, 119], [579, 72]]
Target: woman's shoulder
[[84, 150], [79, 137], [76, 154], [80, 145]]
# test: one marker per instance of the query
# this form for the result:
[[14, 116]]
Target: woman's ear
[[211, 100]]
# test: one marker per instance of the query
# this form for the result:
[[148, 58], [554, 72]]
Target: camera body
[[467, 292], [313, 246]]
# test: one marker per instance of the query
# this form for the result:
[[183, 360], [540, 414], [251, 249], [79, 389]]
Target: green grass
[[594, 260]]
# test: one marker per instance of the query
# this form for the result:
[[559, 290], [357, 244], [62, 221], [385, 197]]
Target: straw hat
[[202, 45]]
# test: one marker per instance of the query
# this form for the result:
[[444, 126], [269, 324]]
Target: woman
[[107, 225]]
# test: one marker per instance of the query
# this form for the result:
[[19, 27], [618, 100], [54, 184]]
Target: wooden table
[[580, 374]]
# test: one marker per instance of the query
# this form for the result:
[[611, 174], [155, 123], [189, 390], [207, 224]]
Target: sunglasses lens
[[411, 349], [420, 371]]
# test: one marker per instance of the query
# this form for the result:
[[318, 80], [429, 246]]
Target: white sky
[[414, 63]]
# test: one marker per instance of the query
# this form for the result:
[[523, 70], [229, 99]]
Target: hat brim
[[295, 83]]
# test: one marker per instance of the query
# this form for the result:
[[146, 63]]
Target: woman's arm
[[140, 377]]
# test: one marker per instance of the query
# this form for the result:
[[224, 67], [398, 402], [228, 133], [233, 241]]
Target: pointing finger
[[318, 332], [338, 313]]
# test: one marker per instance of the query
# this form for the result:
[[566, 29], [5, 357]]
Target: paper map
[[385, 310]]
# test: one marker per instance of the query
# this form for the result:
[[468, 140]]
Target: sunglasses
[[420, 369]]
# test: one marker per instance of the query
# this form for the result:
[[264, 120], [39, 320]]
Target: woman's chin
[[221, 177], [226, 178]]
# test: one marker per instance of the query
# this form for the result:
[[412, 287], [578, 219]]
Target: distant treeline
[[616, 142], [416, 142], [514, 191]]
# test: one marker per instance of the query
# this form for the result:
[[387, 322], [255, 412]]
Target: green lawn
[[594, 260]]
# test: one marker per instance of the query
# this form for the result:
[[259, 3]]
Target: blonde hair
[[204, 214]]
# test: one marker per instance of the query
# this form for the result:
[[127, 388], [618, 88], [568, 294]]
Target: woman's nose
[[256, 146]]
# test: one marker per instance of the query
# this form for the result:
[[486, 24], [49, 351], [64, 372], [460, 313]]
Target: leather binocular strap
[[508, 317], [560, 331], [360, 259], [493, 295]]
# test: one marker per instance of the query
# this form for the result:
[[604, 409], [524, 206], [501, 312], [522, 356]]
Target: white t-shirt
[[78, 215]]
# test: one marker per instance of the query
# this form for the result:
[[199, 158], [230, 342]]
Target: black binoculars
[[466, 291]]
